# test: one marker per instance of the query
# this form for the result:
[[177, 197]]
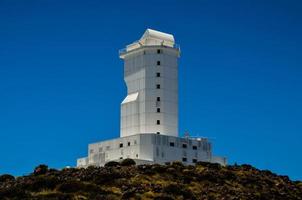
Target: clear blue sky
[[61, 81]]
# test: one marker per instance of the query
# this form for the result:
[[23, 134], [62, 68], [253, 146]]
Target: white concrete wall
[[140, 74], [150, 148]]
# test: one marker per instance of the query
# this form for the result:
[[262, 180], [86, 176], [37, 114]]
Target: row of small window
[[108, 147], [128, 157], [172, 144], [159, 51], [121, 144], [158, 87]]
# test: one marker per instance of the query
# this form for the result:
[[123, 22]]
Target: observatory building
[[149, 112]]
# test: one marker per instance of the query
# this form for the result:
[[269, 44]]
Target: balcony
[[137, 44]]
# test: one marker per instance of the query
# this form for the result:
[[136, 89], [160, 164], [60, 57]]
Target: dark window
[[184, 146], [158, 86], [171, 144], [158, 99], [158, 51], [158, 122], [121, 145], [157, 74], [184, 159], [137, 155], [128, 143], [157, 133], [158, 62], [194, 160], [158, 110], [194, 147], [121, 158]]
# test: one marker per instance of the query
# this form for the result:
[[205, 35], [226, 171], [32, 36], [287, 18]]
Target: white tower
[[151, 76], [149, 113]]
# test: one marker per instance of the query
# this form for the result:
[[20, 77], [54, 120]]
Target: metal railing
[[124, 50]]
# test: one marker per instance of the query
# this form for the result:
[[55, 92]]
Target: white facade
[[150, 148], [151, 76], [149, 112]]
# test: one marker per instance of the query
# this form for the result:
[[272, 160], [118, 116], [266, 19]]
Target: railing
[[124, 50]]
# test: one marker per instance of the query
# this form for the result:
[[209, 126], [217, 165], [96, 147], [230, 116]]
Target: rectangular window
[[184, 159], [184, 146], [121, 158], [158, 122], [171, 144], [158, 51], [121, 145], [158, 62], [128, 143], [158, 110], [194, 160], [157, 133], [194, 147], [158, 99], [157, 74], [157, 86]]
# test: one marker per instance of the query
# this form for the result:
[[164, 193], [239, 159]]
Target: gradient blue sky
[[61, 81]]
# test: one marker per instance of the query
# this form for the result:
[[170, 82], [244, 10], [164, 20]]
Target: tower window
[[158, 62], [158, 51], [157, 133], [157, 74], [158, 99], [194, 160], [184, 146], [158, 86], [194, 147], [158, 122], [158, 110], [171, 144], [128, 143], [121, 145], [184, 159]]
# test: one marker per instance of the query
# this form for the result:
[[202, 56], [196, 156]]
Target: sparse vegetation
[[171, 181], [128, 162]]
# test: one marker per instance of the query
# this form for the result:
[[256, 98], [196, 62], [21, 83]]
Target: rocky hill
[[171, 181]]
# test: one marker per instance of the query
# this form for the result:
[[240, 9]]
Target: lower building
[[150, 148]]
